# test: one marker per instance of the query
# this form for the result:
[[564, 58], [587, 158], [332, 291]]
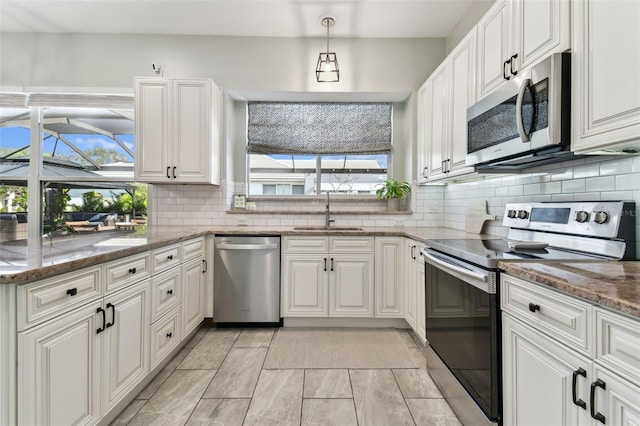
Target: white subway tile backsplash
[[617, 166], [551, 187], [628, 181], [562, 174], [586, 170], [531, 189], [572, 186], [617, 195], [604, 183]]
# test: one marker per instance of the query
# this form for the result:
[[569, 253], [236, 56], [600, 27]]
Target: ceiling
[[261, 18]]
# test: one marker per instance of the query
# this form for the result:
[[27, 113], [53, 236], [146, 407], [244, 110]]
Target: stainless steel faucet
[[328, 221]]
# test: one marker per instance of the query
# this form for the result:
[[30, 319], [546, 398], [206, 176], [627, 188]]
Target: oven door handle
[[459, 269]]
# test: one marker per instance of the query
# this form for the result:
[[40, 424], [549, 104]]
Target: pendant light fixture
[[327, 70]]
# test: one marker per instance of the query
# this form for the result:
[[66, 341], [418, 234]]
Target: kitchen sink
[[324, 228]]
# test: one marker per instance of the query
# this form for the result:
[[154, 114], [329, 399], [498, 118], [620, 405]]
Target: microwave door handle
[[519, 119]]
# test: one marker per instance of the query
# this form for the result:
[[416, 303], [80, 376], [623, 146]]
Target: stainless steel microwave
[[526, 121]]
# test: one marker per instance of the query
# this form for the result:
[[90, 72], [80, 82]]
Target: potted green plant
[[393, 191]]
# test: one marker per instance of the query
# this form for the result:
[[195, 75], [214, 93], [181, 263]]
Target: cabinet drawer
[[193, 248], [165, 292], [305, 244], [122, 272], [165, 336], [166, 258], [561, 316], [45, 299], [618, 343], [351, 244]]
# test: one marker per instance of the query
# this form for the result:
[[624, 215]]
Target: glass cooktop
[[487, 252]]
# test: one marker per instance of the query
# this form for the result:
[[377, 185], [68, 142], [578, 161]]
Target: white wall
[[234, 63], [468, 20]]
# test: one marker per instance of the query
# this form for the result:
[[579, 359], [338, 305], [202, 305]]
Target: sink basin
[[324, 228]]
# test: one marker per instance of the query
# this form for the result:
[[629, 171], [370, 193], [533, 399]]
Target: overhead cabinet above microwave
[[514, 34], [178, 125]]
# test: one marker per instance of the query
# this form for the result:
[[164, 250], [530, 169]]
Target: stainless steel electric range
[[462, 290]]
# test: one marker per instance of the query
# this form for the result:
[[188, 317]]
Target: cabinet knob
[[169, 334], [533, 307], [132, 270], [170, 257], [72, 291], [170, 291]]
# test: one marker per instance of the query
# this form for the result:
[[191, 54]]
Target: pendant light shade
[[327, 70]]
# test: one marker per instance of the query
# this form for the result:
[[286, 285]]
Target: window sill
[[333, 197], [322, 213]]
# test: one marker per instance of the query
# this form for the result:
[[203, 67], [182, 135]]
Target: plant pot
[[393, 204]]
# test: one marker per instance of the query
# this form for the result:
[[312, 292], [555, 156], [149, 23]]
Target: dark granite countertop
[[25, 261], [615, 285]]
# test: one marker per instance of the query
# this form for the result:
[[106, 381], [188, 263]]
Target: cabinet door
[[422, 109], [421, 321], [351, 285], [59, 370], [152, 100], [538, 378], [493, 49], [192, 131], [618, 402], [305, 282], [410, 303], [437, 121], [389, 276], [540, 28], [462, 66], [605, 88], [192, 295], [126, 343]]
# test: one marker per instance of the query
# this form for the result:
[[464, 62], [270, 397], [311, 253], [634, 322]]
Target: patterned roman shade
[[319, 128]]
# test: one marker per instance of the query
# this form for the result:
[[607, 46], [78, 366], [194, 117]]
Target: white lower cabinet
[[193, 273], [389, 276], [327, 276], [415, 297], [75, 368], [59, 370], [125, 343], [549, 379]]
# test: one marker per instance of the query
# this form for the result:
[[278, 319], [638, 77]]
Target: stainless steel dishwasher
[[247, 281]]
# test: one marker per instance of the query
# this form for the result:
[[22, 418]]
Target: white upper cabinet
[[515, 34], [178, 130], [605, 65], [442, 121]]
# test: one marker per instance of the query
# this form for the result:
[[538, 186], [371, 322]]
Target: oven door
[[463, 326]]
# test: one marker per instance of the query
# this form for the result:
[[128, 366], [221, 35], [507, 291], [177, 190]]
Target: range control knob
[[512, 213], [600, 217], [523, 214], [582, 216]]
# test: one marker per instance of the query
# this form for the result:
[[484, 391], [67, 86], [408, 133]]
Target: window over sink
[[298, 148]]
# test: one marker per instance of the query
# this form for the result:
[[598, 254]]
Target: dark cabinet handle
[[72, 291], [325, 264], [113, 315], [332, 263], [174, 171], [205, 266], [170, 257], [504, 70], [533, 307], [168, 168], [424, 172], [592, 400], [169, 334], [574, 390], [104, 319], [412, 255], [169, 291], [511, 62], [132, 270]]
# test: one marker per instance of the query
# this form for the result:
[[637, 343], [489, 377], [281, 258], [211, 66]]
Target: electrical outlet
[[398, 222]]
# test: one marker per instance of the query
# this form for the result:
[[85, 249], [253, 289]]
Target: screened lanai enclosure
[[66, 165]]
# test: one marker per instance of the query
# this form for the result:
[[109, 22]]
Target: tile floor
[[218, 379]]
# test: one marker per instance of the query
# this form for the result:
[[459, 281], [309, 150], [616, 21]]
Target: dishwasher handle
[[231, 246]]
